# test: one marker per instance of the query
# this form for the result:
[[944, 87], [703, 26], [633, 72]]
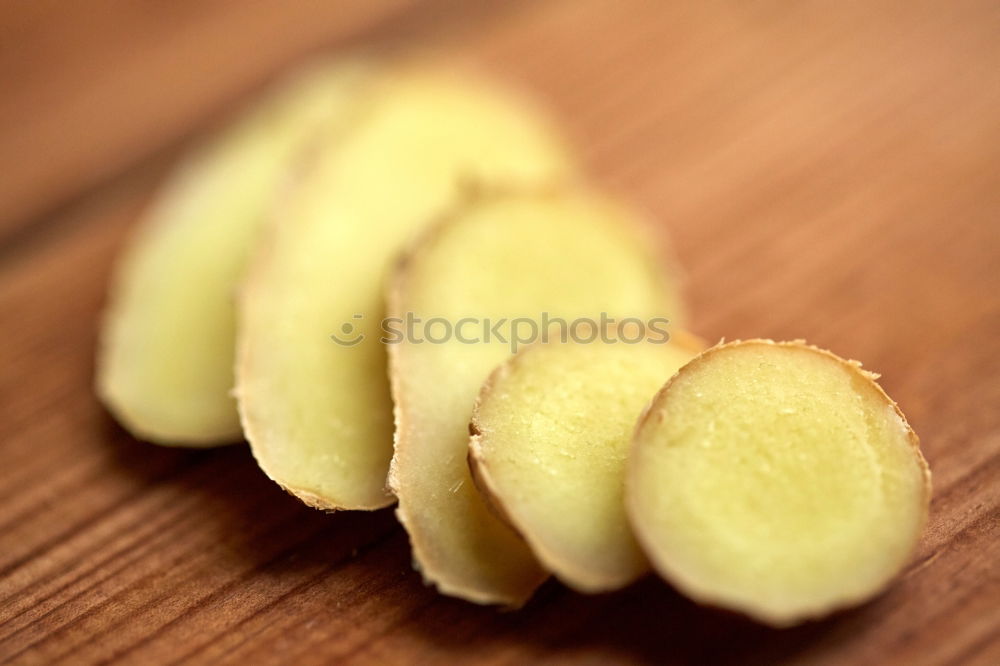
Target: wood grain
[[827, 170]]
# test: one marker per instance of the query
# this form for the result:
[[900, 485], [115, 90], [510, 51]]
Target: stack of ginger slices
[[382, 257]]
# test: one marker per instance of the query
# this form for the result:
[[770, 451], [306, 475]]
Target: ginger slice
[[311, 373], [777, 480], [551, 431], [493, 269], [165, 362]]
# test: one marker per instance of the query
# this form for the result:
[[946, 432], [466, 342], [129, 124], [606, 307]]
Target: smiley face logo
[[350, 335]]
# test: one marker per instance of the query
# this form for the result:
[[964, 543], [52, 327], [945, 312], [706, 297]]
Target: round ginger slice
[[777, 480], [551, 432], [494, 271], [165, 361], [311, 376]]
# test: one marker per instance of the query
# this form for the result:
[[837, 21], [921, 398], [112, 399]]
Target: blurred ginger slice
[[526, 256], [551, 431], [311, 373], [777, 480], [165, 364]]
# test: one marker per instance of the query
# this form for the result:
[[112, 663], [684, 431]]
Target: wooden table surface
[[829, 171]]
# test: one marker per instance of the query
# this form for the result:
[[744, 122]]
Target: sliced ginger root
[[165, 363], [777, 480], [312, 381], [551, 431], [498, 257]]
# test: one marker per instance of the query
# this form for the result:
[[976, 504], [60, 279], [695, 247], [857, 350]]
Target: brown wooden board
[[828, 171]]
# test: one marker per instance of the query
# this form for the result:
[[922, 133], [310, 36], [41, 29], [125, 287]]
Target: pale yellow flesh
[[552, 429], [777, 480], [165, 366], [318, 415], [515, 255]]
